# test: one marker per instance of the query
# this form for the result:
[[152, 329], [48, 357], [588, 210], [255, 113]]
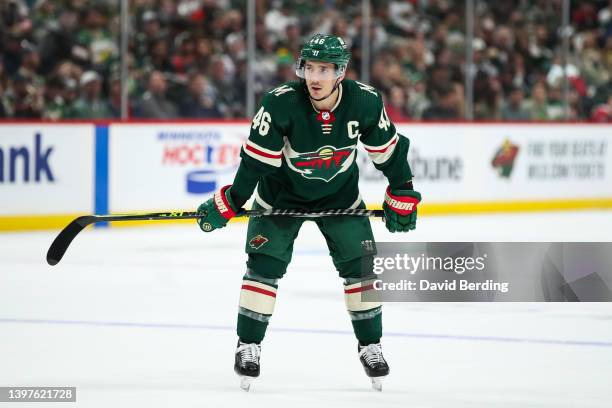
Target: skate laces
[[372, 354], [249, 353]]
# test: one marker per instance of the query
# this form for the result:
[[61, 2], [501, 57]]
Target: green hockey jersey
[[302, 158]]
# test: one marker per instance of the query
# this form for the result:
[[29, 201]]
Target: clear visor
[[317, 72]]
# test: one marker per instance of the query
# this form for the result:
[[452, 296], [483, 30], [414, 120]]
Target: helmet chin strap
[[325, 97]]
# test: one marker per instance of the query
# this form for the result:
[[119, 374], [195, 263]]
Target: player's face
[[320, 78]]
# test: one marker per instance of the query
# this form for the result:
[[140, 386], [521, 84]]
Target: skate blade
[[377, 383], [245, 383]]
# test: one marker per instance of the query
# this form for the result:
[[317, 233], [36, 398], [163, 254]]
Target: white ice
[[144, 317]]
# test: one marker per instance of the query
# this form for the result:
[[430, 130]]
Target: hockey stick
[[64, 238]]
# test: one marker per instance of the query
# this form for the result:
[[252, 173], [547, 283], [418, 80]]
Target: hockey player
[[300, 154]]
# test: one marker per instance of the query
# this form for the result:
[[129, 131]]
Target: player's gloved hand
[[219, 210], [401, 208]]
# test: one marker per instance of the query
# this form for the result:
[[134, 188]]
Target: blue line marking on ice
[[559, 342]]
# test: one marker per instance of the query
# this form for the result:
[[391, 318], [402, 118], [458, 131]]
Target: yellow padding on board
[[160, 222], [35, 222], [514, 206], [42, 222]]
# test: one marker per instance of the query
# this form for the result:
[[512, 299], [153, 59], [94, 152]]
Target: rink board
[[49, 173]]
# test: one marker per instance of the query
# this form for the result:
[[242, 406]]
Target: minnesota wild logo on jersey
[[324, 164]]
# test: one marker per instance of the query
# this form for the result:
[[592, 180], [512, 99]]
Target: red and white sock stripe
[[402, 205], [257, 297], [271, 157], [353, 295]]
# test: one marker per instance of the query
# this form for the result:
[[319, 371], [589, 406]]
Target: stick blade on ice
[[64, 238]]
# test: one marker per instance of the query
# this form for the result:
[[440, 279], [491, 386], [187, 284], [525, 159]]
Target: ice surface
[[144, 317]]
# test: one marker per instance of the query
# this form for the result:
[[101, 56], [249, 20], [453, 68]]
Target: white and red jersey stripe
[[380, 154], [271, 157]]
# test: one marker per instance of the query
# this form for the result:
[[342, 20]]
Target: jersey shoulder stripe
[[273, 158], [382, 148], [380, 154]]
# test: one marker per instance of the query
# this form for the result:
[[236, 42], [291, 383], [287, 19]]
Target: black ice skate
[[374, 364], [247, 363]]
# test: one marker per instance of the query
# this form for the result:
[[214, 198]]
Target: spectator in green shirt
[[90, 105]]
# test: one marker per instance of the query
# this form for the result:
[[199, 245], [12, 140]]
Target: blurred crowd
[[60, 59]]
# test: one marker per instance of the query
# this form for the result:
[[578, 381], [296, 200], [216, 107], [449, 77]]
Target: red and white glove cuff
[[403, 205], [223, 205]]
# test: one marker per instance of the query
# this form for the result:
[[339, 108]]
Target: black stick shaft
[[66, 236]]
